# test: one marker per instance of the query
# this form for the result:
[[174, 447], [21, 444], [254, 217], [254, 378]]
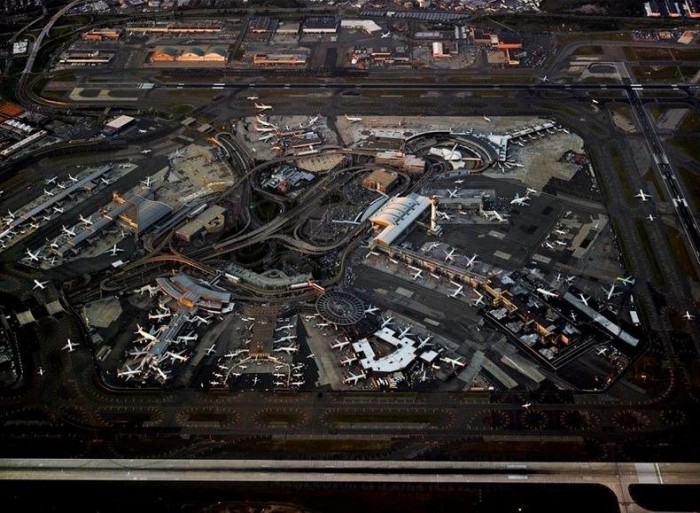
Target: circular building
[[340, 308]]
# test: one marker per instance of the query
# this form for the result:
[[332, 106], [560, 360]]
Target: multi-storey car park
[[442, 262]]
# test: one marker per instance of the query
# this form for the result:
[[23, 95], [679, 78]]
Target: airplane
[[457, 291], [352, 379], [371, 309], [352, 119], [453, 193], [314, 119], [496, 215], [128, 373], [526, 405], [310, 317], [48, 193], [39, 284], [433, 246], [479, 301], [70, 346], [251, 98], [560, 232], [60, 185], [86, 222], [594, 101], [425, 340], [285, 339], [262, 106], [339, 344], [687, 315], [297, 383], [644, 196], [72, 178], [544, 79], [145, 334], [417, 274], [601, 351], [146, 182], [68, 231], [285, 327], [58, 210], [152, 290], [386, 321], [200, 319], [386, 34], [519, 200], [40, 372], [115, 250], [288, 349], [444, 216], [159, 315], [547, 293], [49, 181], [405, 332], [570, 279], [449, 254], [454, 362], [323, 324], [177, 356], [530, 191], [106, 181], [651, 217], [610, 292], [10, 215], [146, 152], [33, 256], [247, 319], [162, 374], [348, 360], [470, 261], [627, 280], [487, 119], [584, 299]]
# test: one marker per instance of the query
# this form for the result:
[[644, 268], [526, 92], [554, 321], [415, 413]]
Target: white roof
[[397, 214]]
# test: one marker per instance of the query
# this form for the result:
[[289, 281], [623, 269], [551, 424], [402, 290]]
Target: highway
[[615, 476]]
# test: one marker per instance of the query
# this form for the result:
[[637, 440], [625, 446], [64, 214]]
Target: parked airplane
[[487, 119], [651, 217], [454, 362], [453, 193], [449, 254], [417, 274], [188, 337], [457, 291], [470, 261], [386, 321], [352, 119], [479, 301], [60, 185], [151, 289], [322, 324], [72, 178], [247, 319], [584, 299], [145, 334], [371, 309], [687, 315], [159, 315], [493, 215], [70, 346], [105, 181], [252, 98], [348, 360], [314, 119], [547, 293], [526, 405], [285, 339], [339, 344], [644, 196], [161, 373], [352, 379], [520, 200], [115, 250], [262, 106], [610, 292], [177, 356], [433, 246], [288, 349], [146, 152], [285, 327], [48, 193], [386, 34], [404, 332], [49, 181], [601, 351], [33, 256], [40, 372], [58, 210], [128, 373], [146, 182], [39, 284], [627, 280]]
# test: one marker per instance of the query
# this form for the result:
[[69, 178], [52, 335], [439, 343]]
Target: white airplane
[[687, 315], [454, 362], [386, 34], [128, 373], [644, 196], [610, 292], [479, 301], [449, 254], [530, 191], [201, 320], [177, 356], [444, 215], [252, 98], [86, 222], [145, 334], [162, 374], [39, 284], [40, 372], [288, 349], [405, 332], [487, 119], [33, 256], [526, 405], [146, 182], [352, 379], [560, 232], [70, 346], [339, 344], [285, 339], [433, 246], [417, 274], [322, 324], [310, 317], [159, 315], [72, 178], [146, 152], [297, 383], [48, 193], [584, 299], [60, 185], [348, 360], [186, 338], [105, 181], [115, 250], [470, 261], [547, 293], [601, 351], [247, 319], [386, 321], [544, 79], [520, 200], [10, 215], [285, 327], [371, 309], [151, 289], [353, 119], [498, 217], [49, 181], [68, 231], [262, 106], [457, 291], [627, 280], [314, 119], [651, 217], [453, 193], [58, 210]]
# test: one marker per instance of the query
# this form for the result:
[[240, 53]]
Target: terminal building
[[380, 180], [193, 295], [116, 125], [397, 215]]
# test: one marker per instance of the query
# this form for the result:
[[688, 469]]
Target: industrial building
[[380, 180], [212, 220], [189, 54], [320, 25], [116, 125], [274, 59]]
